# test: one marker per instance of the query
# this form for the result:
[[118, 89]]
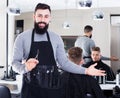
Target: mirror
[[77, 18]]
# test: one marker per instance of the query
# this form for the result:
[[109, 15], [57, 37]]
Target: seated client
[[96, 58], [79, 85]]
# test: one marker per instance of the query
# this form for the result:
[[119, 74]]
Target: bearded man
[[42, 50]]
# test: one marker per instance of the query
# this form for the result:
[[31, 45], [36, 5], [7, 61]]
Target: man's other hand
[[93, 71]]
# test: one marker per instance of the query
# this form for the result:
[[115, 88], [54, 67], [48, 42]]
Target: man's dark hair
[[42, 6], [96, 49], [88, 28]]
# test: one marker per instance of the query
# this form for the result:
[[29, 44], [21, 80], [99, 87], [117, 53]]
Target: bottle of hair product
[[117, 79]]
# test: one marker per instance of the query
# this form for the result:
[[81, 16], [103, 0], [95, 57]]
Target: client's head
[[75, 55]]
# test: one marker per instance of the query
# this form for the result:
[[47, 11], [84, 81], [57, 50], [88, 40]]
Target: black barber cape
[[110, 76], [81, 86]]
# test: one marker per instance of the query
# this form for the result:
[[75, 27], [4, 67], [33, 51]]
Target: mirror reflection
[[105, 33], [77, 21]]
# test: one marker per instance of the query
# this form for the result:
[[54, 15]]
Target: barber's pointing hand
[[94, 72], [31, 63]]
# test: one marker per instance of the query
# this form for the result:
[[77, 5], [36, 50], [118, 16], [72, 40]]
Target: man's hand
[[113, 58], [31, 63], [94, 72]]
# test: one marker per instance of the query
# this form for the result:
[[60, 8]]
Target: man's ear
[[33, 16], [91, 55], [81, 61]]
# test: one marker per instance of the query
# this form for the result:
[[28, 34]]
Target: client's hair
[[75, 54]]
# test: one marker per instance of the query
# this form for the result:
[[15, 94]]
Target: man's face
[[96, 56], [42, 19]]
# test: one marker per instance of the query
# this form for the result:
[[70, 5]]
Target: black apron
[[44, 80]]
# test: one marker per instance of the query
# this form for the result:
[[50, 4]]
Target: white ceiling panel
[[29, 5]]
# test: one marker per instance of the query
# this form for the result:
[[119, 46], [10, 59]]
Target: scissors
[[36, 57]]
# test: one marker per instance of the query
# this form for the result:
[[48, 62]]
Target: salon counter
[[14, 86], [107, 86]]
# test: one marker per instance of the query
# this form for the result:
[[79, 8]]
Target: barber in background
[[42, 50], [86, 43]]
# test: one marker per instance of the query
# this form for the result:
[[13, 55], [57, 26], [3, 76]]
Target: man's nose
[[42, 19]]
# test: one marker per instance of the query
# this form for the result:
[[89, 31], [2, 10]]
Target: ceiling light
[[66, 25], [84, 4], [98, 15], [13, 10]]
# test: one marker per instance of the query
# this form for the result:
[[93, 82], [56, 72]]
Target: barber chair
[[116, 92], [4, 92]]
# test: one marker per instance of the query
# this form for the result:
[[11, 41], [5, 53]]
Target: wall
[[2, 35], [115, 46], [3, 32]]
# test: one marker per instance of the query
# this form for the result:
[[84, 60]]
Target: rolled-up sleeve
[[18, 56]]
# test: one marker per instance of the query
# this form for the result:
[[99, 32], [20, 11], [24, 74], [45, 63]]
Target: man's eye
[[39, 15], [46, 16]]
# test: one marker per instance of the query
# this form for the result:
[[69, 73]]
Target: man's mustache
[[41, 23]]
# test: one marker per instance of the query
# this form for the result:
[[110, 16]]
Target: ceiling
[[29, 5]]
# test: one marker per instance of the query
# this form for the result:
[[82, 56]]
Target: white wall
[[3, 31], [115, 46], [2, 34]]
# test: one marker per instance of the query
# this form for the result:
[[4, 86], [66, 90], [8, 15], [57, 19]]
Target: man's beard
[[40, 30]]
